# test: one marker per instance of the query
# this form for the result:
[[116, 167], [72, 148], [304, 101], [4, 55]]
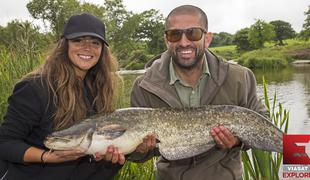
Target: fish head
[[68, 141]]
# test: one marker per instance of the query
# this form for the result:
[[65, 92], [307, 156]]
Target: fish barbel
[[182, 132]]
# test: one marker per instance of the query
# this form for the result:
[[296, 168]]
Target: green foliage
[[241, 40], [298, 53], [115, 16], [124, 93], [221, 39], [142, 32], [305, 33], [259, 33], [263, 165], [227, 52], [137, 60], [270, 57], [127, 32], [283, 30], [56, 12], [12, 67], [263, 59], [137, 171], [294, 49], [23, 38], [151, 31]]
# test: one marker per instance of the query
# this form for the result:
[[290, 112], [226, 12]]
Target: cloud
[[224, 15]]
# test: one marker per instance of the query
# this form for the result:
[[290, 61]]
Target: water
[[292, 86]]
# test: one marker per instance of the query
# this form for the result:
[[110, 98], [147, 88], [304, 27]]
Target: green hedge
[[263, 59]]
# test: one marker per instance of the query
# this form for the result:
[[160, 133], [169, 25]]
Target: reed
[[13, 65], [137, 171], [261, 165]]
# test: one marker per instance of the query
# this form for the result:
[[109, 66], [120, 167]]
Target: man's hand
[[223, 137], [149, 142]]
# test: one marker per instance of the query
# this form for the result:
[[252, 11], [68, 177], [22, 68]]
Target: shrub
[[263, 59]]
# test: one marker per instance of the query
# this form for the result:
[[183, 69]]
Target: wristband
[[42, 160]]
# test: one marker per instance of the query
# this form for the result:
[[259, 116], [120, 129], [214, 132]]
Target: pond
[[291, 85]]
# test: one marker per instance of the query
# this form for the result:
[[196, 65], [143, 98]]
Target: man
[[188, 75]]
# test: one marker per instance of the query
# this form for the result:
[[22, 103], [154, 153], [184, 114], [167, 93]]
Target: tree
[[138, 35], [151, 30], [130, 35], [56, 12], [221, 39], [133, 35], [305, 32], [115, 16], [241, 40], [283, 30], [23, 37], [215, 40], [259, 33]]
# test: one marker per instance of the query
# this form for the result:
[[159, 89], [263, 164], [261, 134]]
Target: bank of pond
[[269, 57]]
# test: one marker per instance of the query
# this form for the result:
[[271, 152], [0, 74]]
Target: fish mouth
[[57, 142]]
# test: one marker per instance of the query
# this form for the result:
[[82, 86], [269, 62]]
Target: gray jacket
[[228, 84]]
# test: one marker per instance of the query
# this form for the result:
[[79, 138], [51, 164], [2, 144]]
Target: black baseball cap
[[84, 25]]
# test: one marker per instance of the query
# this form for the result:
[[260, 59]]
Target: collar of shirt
[[174, 77]]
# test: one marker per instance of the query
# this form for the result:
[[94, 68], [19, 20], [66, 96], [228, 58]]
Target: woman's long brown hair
[[66, 89]]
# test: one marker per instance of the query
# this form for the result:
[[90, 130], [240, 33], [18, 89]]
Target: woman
[[78, 79]]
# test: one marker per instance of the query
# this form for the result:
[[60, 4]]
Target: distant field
[[223, 48], [293, 49]]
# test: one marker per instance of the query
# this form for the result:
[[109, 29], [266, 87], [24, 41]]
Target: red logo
[[296, 149]]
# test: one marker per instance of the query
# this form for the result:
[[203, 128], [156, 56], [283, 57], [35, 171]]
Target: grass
[[270, 56], [263, 59], [137, 171], [12, 67], [227, 52]]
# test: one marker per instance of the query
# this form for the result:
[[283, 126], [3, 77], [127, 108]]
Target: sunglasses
[[192, 34]]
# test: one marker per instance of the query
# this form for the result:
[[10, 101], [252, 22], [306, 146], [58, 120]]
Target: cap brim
[[80, 34]]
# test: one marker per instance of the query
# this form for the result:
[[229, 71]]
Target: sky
[[224, 15]]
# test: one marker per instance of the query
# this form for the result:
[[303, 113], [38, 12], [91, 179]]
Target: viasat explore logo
[[296, 149], [296, 156]]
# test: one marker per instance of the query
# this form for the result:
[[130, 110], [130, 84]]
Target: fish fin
[[86, 141], [111, 131]]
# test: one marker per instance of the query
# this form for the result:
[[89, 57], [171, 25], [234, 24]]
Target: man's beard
[[197, 59]]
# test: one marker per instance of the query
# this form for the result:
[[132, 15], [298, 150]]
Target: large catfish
[[182, 132]]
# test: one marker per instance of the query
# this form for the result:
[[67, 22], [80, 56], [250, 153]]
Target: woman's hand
[[61, 156], [149, 142], [112, 154]]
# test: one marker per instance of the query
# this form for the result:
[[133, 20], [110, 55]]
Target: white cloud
[[224, 15]]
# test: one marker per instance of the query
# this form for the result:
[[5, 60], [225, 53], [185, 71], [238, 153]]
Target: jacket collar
[[156, 79]]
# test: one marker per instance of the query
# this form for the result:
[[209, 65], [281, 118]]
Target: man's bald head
[[188, 10]]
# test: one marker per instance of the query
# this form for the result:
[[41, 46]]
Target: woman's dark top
[[28, 120]]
